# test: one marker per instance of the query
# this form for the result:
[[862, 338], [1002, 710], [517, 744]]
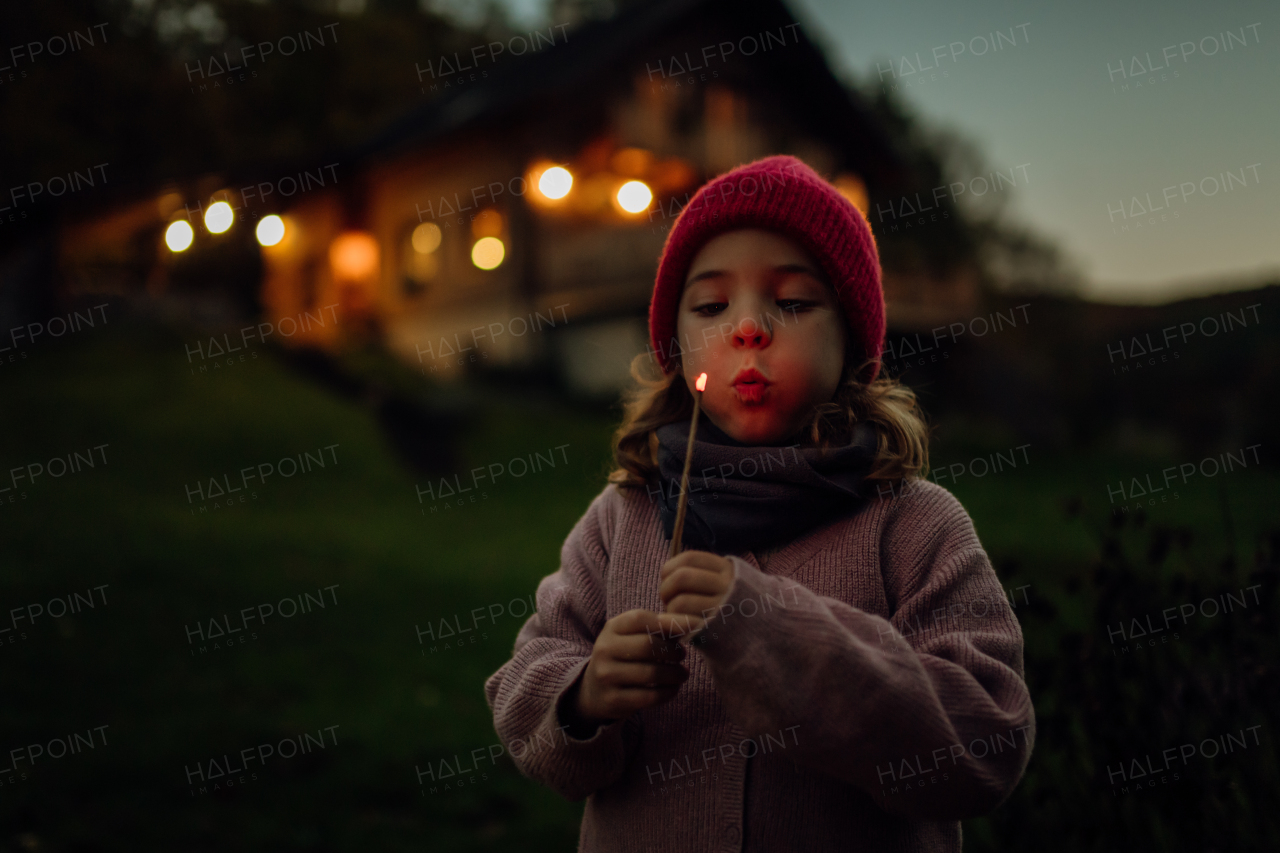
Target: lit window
[[354, 255]]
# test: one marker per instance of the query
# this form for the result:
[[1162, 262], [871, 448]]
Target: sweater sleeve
[[528, 693], [926, 712]]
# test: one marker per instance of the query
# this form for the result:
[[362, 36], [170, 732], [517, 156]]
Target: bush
[[1120, 683]]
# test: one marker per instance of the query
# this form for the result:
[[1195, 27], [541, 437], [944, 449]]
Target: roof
[[596, 57], [589, 66]]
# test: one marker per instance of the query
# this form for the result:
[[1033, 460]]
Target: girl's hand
[[635, 664], [695, 583]]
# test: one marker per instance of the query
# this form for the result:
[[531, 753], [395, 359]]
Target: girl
[[832, 663]]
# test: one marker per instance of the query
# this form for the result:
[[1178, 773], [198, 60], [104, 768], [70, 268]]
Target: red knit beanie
[[780, 194]]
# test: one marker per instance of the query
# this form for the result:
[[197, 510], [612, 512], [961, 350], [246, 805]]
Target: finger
[[660, 626], [638, 647], [681, 626], [634, 622], [619, 674], [628, 700], [678, 626], [676, 562], [695, 559], [661, 642], [702, 606], [687, 579]]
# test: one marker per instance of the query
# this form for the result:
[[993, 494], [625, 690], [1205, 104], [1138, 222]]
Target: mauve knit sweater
[[861, 688]]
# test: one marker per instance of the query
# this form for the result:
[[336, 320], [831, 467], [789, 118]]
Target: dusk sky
[[1098, 158]]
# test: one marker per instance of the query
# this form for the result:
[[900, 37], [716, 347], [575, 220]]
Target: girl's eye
[[715, 307]]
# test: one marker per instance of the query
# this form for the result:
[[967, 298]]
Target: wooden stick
[[678, 532]]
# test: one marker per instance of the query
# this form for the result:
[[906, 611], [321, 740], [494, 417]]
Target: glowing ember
[[701, 384]]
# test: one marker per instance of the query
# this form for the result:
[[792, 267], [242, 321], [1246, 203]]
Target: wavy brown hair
[[659, 399]]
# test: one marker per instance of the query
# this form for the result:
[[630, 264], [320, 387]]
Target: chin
[[757, 433], [749, 424]]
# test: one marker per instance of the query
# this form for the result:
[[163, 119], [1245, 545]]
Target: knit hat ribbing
[[782, 194]]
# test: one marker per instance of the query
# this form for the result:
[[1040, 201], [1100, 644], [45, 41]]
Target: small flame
[[701, 384]]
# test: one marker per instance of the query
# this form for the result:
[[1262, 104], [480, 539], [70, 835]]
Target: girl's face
[[770, 333]]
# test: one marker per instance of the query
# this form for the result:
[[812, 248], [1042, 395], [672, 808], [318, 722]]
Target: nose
[[750, 332]]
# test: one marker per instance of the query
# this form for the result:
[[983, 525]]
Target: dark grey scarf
[[744, 498]]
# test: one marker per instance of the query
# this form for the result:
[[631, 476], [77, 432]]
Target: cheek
[[697, 333], [817, 353], [701, 341]]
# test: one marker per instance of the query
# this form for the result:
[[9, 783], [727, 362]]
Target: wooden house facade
[[518, 216]]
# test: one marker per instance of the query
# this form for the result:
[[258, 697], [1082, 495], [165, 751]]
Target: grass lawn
[[354, 535]]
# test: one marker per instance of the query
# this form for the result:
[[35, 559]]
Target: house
[[518, 216]]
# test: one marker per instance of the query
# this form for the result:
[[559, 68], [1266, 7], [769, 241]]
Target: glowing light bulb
[[270, 230], [426, 238], [488, 253], [218, 217], [178, 235], [634, 196], [555, 182]]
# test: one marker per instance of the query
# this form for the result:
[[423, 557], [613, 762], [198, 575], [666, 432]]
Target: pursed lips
[[750, 386]]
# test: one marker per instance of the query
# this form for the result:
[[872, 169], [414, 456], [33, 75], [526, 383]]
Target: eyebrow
[[784, 268], [705, 274], [801, 268]]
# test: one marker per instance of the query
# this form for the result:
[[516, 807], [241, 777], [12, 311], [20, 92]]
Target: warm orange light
[[426, 238], [701, 383], [632, 162], [219, 217], [672, 175], [270, 230], [168, 203], [354, 255], [178, 235], [853, 188], [487, 253], [488, 223], [555, 183], [634, 196]]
